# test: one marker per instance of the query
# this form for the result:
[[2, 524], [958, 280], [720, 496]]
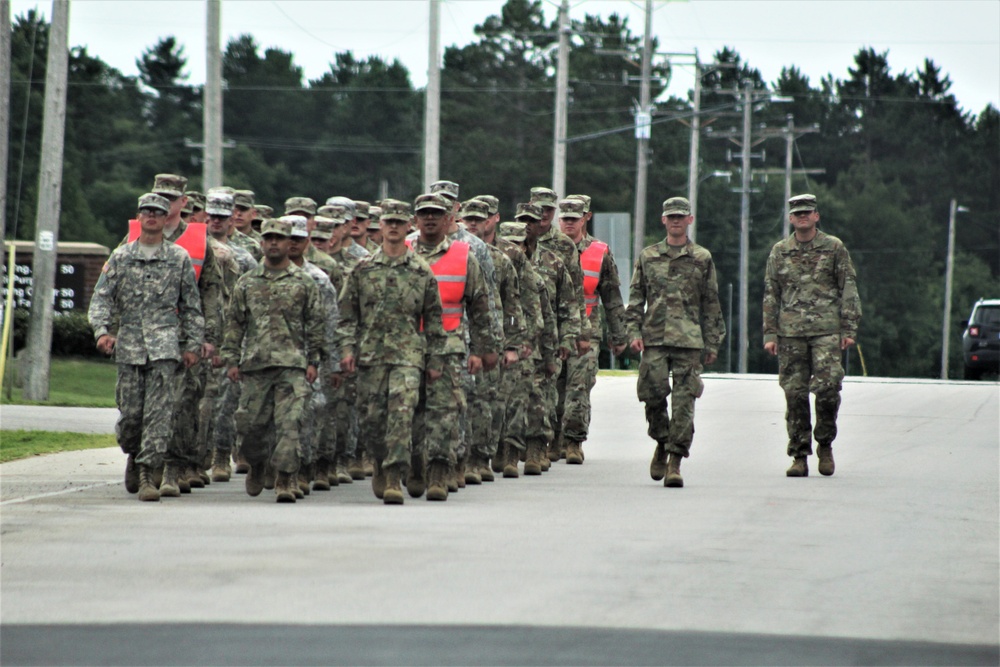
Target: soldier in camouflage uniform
[[275, 344], [811, 314], [673, 317], [390, 332], [148, 288], [262, 212], [374, 229], [241, 231], [347, 243], [580, 373], [196, 204]]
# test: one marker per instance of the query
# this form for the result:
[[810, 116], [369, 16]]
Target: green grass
[[22, 444], [84, 383], [617, 373]]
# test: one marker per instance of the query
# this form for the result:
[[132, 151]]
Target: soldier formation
[[430, 346]]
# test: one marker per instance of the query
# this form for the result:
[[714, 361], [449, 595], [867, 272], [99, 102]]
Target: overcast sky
[[818, 36]]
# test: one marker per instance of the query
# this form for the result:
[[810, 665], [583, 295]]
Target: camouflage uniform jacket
[[356, 250], [326, 264], [531, 307], [674, 298], [154, 302], [383, 305], [248, 243], [564, 248], [228, 259], [477, 321], [810, 289], [609, 289], [331, 314], [279, 317], [509, 291], [481, 252], [244, 260], [558, 286], [371, 246]]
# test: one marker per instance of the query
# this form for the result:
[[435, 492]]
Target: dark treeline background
[[896, 147]]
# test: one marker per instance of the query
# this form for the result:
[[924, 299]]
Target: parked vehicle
[[981, 340]]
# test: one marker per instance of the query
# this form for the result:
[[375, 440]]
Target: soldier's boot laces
[[378, 481], [321, 481], [393, 494], [221, 468], [170, 486], [574, 453], [132, 475], [284, 488], [147, 491], [826, 464], [799, 468], [437, 483], [255, 479], [658, 466], [673, 478]]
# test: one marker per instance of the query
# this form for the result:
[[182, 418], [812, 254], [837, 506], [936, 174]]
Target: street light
[[949, 266]]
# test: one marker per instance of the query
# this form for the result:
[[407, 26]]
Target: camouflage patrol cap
[[361, 209], [196, 201], [676, 206], [544, 197], [298, 226], [345, 202], [218, 202], [300, 205], [491, 201], [244, 198], [802, 203], [263, 212], [154, 201], [188, 206], [336, 213], [169, 185], [431, 200], [572, 208], [584, 198], [323, 229], [275, 226], [528, 210], [474, 208], [447, 188], [393, 209], [374, 215], [513, 231]]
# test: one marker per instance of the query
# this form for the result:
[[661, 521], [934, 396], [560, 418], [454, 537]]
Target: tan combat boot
[[368, 464], [296, 487], [242, 466], [510, 464], [378, 481], [284, 488], [305, 476], [194, 479], [437, 480], [321, 480], [574, 452], [499, 460], [147, 492], [533, 460], [331, 473], [658, 466], [355, 468], [393, 494], [826, 464], [170, 486], [485, 471], [799, 468], [343, 476], [269, 476], [222, 470], [472, 470], [674, 479], [416, 476], [255, 479], [132, 475], [452, 478], [556, 451]]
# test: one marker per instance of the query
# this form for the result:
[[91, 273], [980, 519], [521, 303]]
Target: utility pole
[[36, 387], [562, 93], [432, 99], [743, 342], [4, 111], [792, 133], [211, 174], [949, 267], [695, 145], [643, 118]]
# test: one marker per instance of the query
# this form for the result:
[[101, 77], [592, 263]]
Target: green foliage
[[71, 334], [73, 381]]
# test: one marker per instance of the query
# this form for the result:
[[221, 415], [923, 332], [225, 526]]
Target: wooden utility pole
[[562, 93], [432, 99], [695, 145], [4, 110], [36, 387], [211, 174], [643, 118]]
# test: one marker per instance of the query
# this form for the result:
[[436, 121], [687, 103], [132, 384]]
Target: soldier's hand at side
[[618, 349], [311, 373], [846, 342], [207, 350], [336, 380], [582, 347], [347, 364], [771, 348], [475, 364], [637, 345], [526, 351], [106, 344], [490, 360], [563, 354], [509, 358], [216, 361], [189, 359], [233, 374], [551, 369], [710, 358], [433, 375]]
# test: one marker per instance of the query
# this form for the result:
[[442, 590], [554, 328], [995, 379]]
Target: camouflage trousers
[[810, 364], [272, 407], [387, 401], [308, 436], [481, 438], [442, 404], [575, 382], [215, 385], [146, 396], [224, 425], [515, 387], [325, 434], [549, 387], [187, 416], [345, 416], [659, 366]]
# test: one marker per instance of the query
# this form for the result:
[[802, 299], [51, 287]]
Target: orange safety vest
[[451, 272], [194, 240], [590, 262]]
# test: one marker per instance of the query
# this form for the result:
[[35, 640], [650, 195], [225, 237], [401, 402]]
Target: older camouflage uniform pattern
[[355, 250], [318, 433], [248, 243], [674, 308], [810, 302], [154, 303], [383, 304]]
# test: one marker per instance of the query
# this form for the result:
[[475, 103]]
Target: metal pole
[[36, 387], [789, 147], [432, 99], [741, 350], [562, 92], [949, 266], [211, 174], [695, 140], [4, 111], [642, 129]]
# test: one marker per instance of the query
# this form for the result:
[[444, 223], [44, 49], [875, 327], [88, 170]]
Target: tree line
[[896, 147]]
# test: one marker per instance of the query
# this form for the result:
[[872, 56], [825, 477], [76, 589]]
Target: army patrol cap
[[188, 205], [513, 231], [196, 201], [677, 206], [393, 209], [447, 188], [528, 210], [431, 200], [243, 198], [218, 202], [298, 226], [263, 212], [374, 215], [361, 209], [544, 197], [572, 208], [300, 205], [323, 229], [802, 203], [338, 214], [154, 201], [584, 198], [345, 202], [491, 201], [169, 185], [474, 208], [278, 226]]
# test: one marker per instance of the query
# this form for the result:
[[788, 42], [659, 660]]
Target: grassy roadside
[[22, 444], [74, 382]]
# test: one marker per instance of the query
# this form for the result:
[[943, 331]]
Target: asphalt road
[[894, 560]]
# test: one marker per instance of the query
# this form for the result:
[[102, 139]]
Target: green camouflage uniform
[[674, 308], [248, 243], [344, 401], [382, 305], [810, 303], [318, 433], [155, 304], [276, 329]]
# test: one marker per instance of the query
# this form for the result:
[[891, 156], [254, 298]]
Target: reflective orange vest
[[451, 271], [194, 240], [590, 262]]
